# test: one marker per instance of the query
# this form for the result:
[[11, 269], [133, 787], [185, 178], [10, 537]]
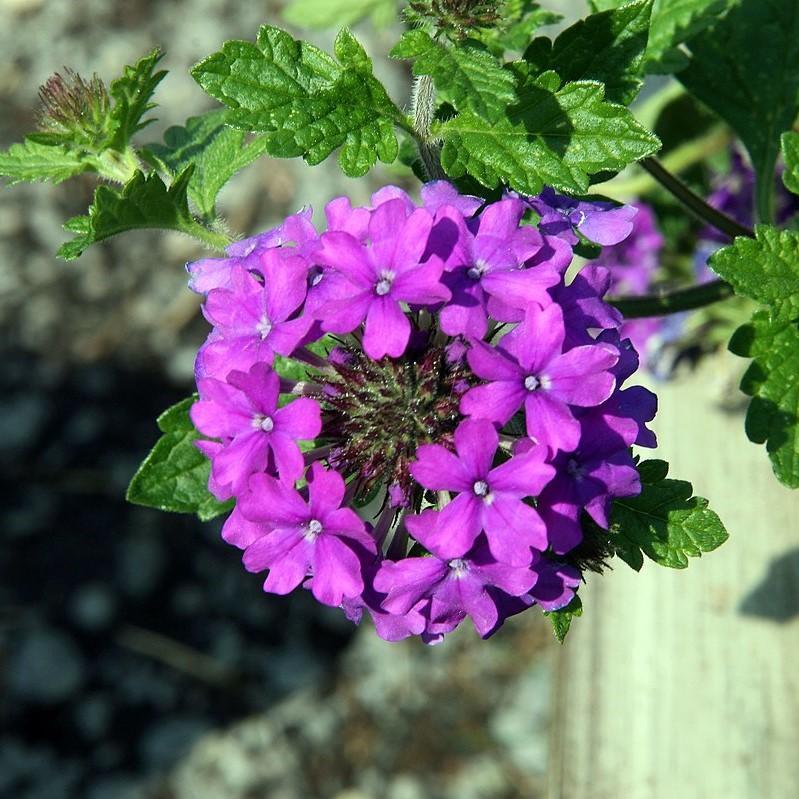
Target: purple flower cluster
[[446, 381]]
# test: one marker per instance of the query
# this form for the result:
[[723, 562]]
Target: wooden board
[[685, 684]]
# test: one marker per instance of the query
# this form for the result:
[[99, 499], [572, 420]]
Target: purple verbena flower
[[530, 369], [256, 434], [314, 537], [490, 498], [370, 283], [599, 221]]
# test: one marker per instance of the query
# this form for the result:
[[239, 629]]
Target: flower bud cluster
[[460, 407]]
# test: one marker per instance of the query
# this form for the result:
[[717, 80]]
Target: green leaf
[[144, 202], [790, 155], [562, 619], [746, 69], [520, 20], [308, 103], [320, 14], [551, 135], [673, 22], [31, 161], [608, 47], [463, 75], [766, 269], [665, 521], [131, 93], [174, 476], [217, 151]]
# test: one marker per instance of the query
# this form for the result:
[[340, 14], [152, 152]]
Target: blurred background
[[138, 660]]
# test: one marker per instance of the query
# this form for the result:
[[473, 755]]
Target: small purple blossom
[[529, 369], [369, 283], [455, 588], [598, 220], [314, 537], [256, 435], [490, 499]]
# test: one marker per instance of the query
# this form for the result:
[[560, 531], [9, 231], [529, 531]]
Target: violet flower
[[256, 434], [307, 537], [489, 499]]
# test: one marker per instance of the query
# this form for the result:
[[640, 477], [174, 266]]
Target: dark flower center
[[376, 414]]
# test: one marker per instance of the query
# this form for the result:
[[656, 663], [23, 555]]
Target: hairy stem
[[211, 238], [670, 302], [423, 108], [693, 202]]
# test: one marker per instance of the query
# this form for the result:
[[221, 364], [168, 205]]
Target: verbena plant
[[421, 409]]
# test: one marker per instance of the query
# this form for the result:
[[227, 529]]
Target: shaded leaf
[[174, 476], [144, 202], [608, 47], [665, 521], [217, 152], [562, 619]]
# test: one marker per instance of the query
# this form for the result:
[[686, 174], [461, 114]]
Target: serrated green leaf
[[320, 14], [32, 161], [132, 92], [562, 619], [308, 103], [665, 522], [553, 136], [174, 476], [673, 22], [217, 152], [790, 155], [746, 69], [766, 269], [144, 202], [463, 75], [608, 47]]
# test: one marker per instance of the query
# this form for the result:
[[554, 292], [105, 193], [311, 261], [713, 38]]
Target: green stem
[[693, 202], [672, 301], [211, 238], [423, 105]]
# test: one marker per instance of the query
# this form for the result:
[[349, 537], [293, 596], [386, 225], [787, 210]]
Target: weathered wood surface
[[685, 684]]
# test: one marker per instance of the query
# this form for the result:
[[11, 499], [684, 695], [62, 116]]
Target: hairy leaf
[[217, 152], [322, 14], [144, 202], [463, 75], [551, 135], [790, 155], [307, 102], [665, 522], [562, 619], [32, 161], [766, 269], [608, 47], [746, 69], [132, 93], [174, 476]]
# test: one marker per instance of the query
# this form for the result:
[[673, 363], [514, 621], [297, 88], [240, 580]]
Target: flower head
[[457, 391]]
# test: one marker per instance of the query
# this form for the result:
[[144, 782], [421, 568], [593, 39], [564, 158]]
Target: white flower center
[[458, 567], [265, 423], [531, 383], [481, 488], [383, 286], [264, 327], [313, 529]]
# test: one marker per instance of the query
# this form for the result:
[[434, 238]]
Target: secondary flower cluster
[[447, 382]]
